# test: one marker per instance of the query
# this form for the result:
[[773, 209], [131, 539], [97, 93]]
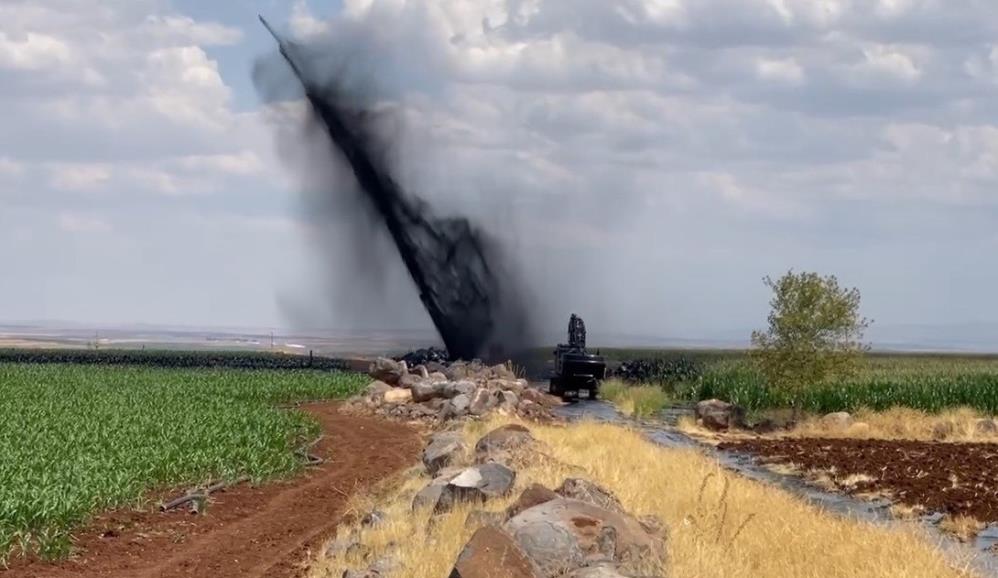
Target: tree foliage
[[815, 331]]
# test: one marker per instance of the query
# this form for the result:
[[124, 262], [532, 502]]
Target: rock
[[398, 395], [601, 571], [492, 553], [476, 484], [589, 492], [508, 400], [373, 519], [481, 518], [409, 380], [454, 389], [458, 406], [443, 450], [502, 372], [436, 375], [340, 546], [765, 426], [500, 441], [564, 535], [369, 573], [387, 370], [421, 371], [653, 525], [720, 415], [426, 391], [531, 394], [481, 402], [839, 420], [377, 389], [534, 495], [942, 430], [428, 497], [986, 427]]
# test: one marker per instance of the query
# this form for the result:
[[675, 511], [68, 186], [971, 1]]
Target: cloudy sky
[[650, 160]]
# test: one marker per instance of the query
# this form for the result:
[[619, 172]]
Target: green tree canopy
[[815, 331]]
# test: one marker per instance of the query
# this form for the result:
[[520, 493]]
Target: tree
[[815, 332]]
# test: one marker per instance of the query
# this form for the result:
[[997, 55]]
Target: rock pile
[[577, 530], [438, 393], [718, 415]]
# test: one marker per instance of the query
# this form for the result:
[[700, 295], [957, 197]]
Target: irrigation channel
[[662, 431]]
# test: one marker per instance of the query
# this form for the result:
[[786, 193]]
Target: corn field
[[76, 440], [928, 383]]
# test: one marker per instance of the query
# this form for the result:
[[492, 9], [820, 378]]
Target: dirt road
[[953, 478], [247, 532]]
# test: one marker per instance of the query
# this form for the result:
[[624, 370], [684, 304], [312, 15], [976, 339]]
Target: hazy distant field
[[76, 439]]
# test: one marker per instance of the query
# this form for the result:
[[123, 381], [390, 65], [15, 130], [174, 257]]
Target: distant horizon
[[916, 338]]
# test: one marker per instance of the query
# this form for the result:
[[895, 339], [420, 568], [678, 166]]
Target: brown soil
[[267, 531], [943, 478]]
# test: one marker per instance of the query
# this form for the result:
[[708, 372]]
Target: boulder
[[398, 396], [508, 400], [481, 402], [590, 493], [437, 375], [499, 442], [986, 427], [409, 380], [444, 449], [426, 391], [600, 571], [428, 497], [456, 407], [502, 372], [421, 371], [377, 389], [476, 484], [534, 495], [653, 525], [387, 370], [373, 519], [453, 389], [492, 553], [839, 420], [563, 535], [720, 415]]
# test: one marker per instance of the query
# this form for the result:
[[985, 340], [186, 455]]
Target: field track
[[251, 532]]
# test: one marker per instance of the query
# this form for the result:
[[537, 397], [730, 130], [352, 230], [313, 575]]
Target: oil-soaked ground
[[957, 479]]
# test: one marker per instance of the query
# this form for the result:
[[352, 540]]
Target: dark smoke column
[[472, 304]]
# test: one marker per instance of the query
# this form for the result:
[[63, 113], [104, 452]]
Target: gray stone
[[564, 535], [427, 390], [444, 449], [428, 497], [598, 571], [720, 415], [387, 370], [509, 400], [377, 389], [481, 402], [589, 492], [421, 371], [476, 484], [986, 427], [497, 444], [373, 519], [453, 389], [409, 380], [398, 396]]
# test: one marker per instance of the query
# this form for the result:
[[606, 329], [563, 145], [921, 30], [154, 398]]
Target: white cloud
[[783, 70], [80, 177], [32, 51]]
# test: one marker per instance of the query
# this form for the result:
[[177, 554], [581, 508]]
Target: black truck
[[575, 369]]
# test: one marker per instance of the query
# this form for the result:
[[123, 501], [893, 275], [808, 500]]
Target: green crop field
[[930, 382], [76, 440]]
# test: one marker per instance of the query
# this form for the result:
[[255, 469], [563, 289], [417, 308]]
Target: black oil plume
[[461, 275]]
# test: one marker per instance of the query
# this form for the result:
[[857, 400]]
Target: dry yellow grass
[[963, 527], [720, 525], [957, 425]]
